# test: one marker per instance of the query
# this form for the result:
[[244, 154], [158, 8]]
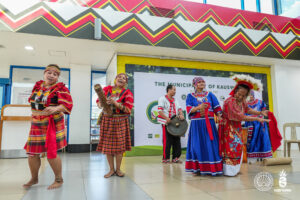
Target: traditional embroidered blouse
[[169, 107], [124, 97], [234, 111], [195, 99], [42, 97]]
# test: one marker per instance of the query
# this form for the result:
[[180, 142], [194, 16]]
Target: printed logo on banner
[[152, 112]]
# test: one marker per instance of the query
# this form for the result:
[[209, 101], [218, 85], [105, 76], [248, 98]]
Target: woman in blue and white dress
[[202, 156], [258, 142]]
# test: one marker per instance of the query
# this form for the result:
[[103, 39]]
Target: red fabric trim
[[172, 106], [218, 109], [239, 83], [259, 155], [188, 109], [251, 103], [275, 136], [207, 122], [51, 139], [207, 167], [164, 141]]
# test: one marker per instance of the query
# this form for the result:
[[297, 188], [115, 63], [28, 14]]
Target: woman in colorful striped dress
[[202, 154], [258, 143], [114, 130], [49, 102]]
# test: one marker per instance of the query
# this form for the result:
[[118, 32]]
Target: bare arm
[[200, 107], [54, 109], [255, 112], [99, 104], [249, 118]]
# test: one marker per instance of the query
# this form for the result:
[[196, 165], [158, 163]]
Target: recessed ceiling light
[[29, 48], [57, 53]]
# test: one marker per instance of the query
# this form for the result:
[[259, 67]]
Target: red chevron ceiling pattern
[[171, 33], [200, 13]]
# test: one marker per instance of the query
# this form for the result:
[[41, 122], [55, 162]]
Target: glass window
[[289, 8], [266, 6], [250, 5], [97, 78], [225, 3], [23, 80]]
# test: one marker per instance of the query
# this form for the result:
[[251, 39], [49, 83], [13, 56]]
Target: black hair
[[242, 86], [169, 87]]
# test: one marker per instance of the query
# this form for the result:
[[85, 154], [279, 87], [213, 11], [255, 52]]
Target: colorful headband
[[53, 66], [197, 80], [124, 75], [242, 79]]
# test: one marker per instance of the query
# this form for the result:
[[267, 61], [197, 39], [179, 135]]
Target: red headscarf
[[240, 83]]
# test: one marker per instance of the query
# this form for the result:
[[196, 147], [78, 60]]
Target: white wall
[[79, 132], [111, 71], [4, 70], [286, 95]]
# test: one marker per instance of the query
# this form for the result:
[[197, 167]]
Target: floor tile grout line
[[83, 180]]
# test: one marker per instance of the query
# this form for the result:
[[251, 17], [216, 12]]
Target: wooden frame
[[11, 118]]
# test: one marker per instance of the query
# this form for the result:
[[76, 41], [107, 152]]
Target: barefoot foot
[[109, 174], [56, 184], [30, 183]]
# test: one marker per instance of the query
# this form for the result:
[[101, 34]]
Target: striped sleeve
[[190, 104], [65, 99], [128, 101], [215, 104], [160, 104]]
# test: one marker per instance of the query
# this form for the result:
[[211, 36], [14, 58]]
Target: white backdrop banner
[[148, 87]]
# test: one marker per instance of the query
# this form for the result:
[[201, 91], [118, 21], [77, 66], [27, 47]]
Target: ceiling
[[99, 53]]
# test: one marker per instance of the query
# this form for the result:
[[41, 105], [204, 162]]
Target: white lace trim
[[232, 170]]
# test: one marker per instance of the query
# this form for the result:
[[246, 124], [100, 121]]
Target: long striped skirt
[[202, 153], [258, 144], [38, 131], [114, 135]]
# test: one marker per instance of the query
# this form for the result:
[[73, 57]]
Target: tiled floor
[[146, 178]]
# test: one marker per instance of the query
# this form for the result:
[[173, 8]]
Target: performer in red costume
[[114, 130], [230, 130], [49, 102]]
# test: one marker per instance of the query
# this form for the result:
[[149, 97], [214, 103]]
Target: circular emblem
[[152, 112], [183, 97], [263, 181]]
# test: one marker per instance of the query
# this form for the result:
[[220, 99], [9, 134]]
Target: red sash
[[275, 135], [51, 139], [207, 122]]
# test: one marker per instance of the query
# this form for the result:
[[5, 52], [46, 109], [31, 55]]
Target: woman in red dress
[[49, 102], [230, 130], [114, 130]]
